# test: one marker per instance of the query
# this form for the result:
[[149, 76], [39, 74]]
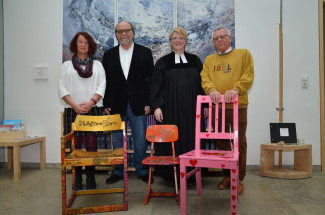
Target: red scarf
[[84, 73]]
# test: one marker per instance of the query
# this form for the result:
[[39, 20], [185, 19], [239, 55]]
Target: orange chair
[[161, 134], [199, 158]]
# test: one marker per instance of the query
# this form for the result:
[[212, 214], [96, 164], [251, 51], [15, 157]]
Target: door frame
[[321, 9]]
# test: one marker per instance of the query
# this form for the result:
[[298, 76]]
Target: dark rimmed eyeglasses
[[124, 30]]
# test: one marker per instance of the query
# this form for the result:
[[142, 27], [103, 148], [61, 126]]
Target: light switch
[[41, 72], [304, 81]]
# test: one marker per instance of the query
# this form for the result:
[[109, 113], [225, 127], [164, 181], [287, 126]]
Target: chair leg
[[176, 186], [234, 183], [183, 188], [63, 188], [149, 187], [198, 181]]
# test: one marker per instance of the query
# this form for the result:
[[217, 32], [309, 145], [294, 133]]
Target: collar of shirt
[[177, 58], [226, 52], [125, 59]]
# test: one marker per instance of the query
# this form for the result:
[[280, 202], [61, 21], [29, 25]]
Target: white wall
[[33, 35]]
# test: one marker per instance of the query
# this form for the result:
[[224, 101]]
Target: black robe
[[174, 89]]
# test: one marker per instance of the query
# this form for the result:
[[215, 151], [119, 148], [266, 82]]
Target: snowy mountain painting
[[153, 19], [199, 18], [93, 16]]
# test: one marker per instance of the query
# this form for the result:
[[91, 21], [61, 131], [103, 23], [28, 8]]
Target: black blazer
[[135, 89]]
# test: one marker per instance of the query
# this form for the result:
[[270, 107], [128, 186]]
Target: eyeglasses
[[124, 30], [178, 38], [81, 42], [221, 37]]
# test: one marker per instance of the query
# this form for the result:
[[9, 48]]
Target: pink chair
[[211, 158]]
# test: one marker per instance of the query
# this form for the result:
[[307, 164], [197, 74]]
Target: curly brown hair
[[90, 40]]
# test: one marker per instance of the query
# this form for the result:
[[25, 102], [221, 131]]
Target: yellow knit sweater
[[234, 70]]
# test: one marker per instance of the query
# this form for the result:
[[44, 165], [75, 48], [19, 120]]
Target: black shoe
[[113, 179], [145, 178]]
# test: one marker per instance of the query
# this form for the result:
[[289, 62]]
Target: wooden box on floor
[[302, 167]]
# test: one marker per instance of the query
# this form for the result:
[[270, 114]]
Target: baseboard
[[58, 166]]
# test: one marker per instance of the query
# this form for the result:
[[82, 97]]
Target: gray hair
[[132, 26], [221, 28]]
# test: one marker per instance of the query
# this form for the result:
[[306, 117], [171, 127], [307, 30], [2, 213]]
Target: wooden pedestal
[[302, 161]]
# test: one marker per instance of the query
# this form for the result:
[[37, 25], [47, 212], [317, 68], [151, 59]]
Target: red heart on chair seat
[[233, 170], [233, 198], [182, 174], [222, 165], [197, 116], [193, 162], [207, 135], [203, 99], [233, 180], [233, 187]]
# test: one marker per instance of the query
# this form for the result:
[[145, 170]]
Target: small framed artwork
[[285, 132]]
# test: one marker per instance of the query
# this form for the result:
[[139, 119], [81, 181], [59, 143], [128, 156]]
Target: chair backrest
[[97, 123], [162, 133], [213, 131]]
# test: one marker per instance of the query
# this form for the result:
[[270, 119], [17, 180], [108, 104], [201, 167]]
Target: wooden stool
[[302, 161]]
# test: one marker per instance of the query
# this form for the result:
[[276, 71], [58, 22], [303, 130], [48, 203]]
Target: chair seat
[[211, 155], [80, 157], [161, 160]]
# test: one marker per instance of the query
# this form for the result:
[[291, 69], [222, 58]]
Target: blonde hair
[[179, 30]]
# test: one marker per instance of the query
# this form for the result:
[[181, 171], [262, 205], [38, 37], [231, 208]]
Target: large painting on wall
[[199, 18], [93, 16], [153, 19]]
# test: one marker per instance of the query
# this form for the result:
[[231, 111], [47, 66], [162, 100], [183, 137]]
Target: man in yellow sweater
[[230, 72]]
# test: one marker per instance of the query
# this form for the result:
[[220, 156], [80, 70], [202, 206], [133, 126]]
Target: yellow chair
[[80, 157]]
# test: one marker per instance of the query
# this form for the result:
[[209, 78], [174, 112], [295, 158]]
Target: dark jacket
[[135, 89]]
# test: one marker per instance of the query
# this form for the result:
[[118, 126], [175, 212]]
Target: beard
[[125, 41]]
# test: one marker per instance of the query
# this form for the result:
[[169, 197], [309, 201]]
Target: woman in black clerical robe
[[175, 84]]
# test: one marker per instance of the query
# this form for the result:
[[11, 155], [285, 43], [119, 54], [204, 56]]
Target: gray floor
[[39, 192]]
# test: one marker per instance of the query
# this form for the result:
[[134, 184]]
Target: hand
[[80, 109], [206, 112], [229, 95], [215, 96], [107, 111], [146, 110], [158, 115], [87, 105]]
